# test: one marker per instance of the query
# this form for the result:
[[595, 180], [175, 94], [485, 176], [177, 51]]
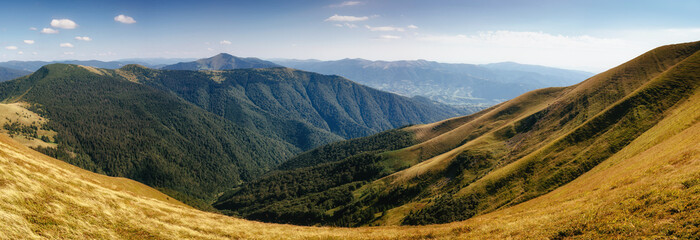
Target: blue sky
[[585, 35]]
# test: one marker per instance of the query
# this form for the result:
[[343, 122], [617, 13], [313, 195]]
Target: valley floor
[[651, 188]]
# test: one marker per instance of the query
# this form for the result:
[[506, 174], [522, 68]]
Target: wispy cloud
[[49, 31], [11, 47], [347, 4], [522, 39], [348, 25], [85, 38], [225, 42], [30, 42], [412, 26], [339, 18], [384, 29], [66, 45], [124, 19], [32, 28], [63, 23], [389, 37]]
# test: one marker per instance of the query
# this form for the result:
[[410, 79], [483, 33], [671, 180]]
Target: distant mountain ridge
[[9, 73], [32, 66], [458, 84], [329, 103], [505, 155], [222, 61]]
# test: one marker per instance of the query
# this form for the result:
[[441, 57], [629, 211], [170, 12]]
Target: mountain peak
[[222, 61], [223, 55]]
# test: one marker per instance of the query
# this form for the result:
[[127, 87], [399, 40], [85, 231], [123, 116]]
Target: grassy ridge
[[646, 190], [517, 150]]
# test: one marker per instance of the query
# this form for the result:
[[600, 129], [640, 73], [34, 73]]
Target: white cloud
[[384, 29], [124, 19], [412, 26], [338, 18], [523, 39], [35, 53], [348, 25], [225, 42], [210, 49], [11, 47], [63, 23], [66, 45], [347, 4], [49, 31], [30, 42], [32, 28], [389, 37], [68, 53], [85, 38], [20, 52]]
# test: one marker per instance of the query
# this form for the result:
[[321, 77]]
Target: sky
[[586, 35]]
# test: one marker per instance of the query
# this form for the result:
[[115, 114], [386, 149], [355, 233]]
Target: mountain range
[[616, 156], [155, 126], [456, 84], [455, 169], [9, 73], [32, 66]]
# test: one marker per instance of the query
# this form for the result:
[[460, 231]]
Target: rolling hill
[[456, 84], [646, 189], [222, 61], [107, 124], [155, 126], [463, 167]]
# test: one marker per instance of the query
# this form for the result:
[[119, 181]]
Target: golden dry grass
[[646, 189], [17, 112]]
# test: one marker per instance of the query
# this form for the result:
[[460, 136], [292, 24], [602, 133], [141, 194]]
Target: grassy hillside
[[502, 156], [648, 189], [107, 124]]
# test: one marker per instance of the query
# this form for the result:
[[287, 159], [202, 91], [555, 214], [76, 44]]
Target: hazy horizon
[[582, 35]]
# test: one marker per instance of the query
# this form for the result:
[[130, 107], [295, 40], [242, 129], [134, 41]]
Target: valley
[[349, 119], [646, 189]]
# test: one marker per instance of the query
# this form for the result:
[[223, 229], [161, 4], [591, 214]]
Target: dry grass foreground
[[651, 188]]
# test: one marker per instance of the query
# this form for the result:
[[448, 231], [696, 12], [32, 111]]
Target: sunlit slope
[[648, 189], [467, 166], [551, 142]]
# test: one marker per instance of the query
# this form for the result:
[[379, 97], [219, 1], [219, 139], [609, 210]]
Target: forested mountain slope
[[463, 167], [647, 189], [290, 102], [197, 133], [110, 125]]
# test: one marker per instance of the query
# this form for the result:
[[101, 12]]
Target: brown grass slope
[[537, 142], [650, 188]]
